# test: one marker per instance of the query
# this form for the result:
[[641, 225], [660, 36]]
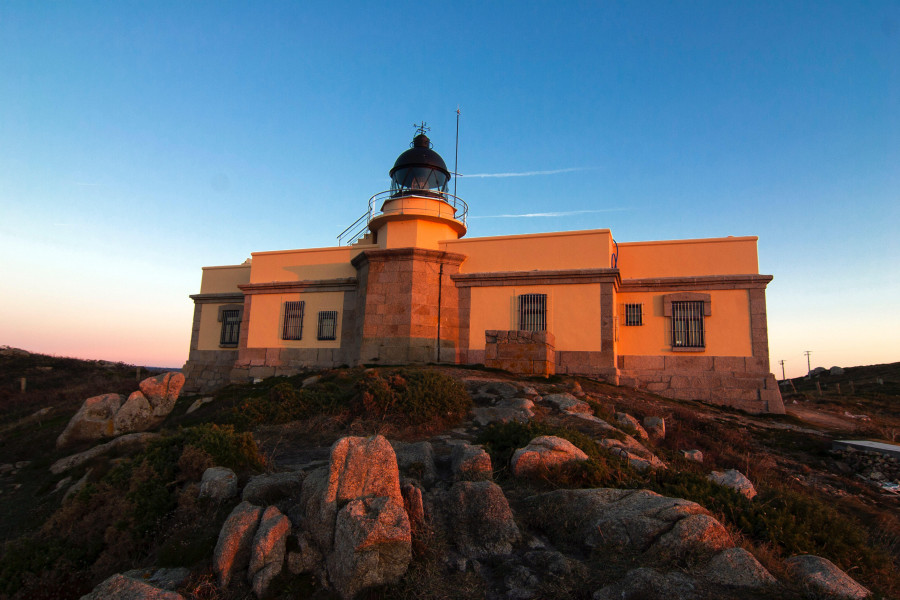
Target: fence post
[[22, 384], [819, 388]]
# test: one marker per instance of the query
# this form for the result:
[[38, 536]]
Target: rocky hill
[[436, 482]]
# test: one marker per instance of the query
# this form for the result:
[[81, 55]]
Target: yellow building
[[682, 318]]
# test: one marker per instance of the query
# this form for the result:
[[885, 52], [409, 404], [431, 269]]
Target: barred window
[[533, 312], [231, 326], [327, 325], [687, 324], [293, 321], [634, 314]]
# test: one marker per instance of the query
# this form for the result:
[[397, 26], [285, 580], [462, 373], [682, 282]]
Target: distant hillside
[[57, 381], [866, 397]]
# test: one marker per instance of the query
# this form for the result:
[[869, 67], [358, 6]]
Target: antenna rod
[[456, 157]]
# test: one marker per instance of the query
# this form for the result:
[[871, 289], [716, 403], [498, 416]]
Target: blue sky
[[141, 141]]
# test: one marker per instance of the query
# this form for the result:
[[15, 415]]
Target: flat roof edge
[[225, 267], [730, 238], [527, 235]]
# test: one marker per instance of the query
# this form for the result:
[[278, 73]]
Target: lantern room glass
[[411, 179]]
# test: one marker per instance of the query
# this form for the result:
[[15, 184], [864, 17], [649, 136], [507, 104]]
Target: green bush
[[412, 396], [228, 448], [285, 400]]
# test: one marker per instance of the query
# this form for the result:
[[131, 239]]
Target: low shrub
[[412, 397], [416, 397], [128, 513], [789, 519]]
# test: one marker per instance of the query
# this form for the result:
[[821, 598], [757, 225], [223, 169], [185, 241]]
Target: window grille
[[327, 325], [533, 312], [634, 314], [293, 321], [231, 327], [687, 324]]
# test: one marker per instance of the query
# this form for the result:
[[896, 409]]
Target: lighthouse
[[417, 211]]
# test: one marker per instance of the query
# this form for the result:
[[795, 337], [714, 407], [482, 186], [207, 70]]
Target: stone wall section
[[724, 380], [743, 382], [407, 302], [207, 370], [521, 352]]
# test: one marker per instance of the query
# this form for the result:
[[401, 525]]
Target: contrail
[[526, 173], [548, 214]]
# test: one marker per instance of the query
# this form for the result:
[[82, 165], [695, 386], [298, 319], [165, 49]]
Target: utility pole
[[808, 366], [781, 362]]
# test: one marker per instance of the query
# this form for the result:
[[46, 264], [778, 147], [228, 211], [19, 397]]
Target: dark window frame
[[702, 309], [532, 312], [292, 320], [327, 325], [634, 314], [230, 316], [688, 327]]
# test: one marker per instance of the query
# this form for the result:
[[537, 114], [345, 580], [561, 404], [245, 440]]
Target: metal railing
[[358, 228]]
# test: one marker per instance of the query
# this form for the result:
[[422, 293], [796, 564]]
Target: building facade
[[682, 318]]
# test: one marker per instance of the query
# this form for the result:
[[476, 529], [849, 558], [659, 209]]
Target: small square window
[[634, 314], [533, 312], [327, 325], [293, 321]]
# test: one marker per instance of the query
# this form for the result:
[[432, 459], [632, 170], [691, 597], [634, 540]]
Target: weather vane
[[421, 128]]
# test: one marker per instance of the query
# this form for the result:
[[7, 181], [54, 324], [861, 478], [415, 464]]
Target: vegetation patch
[[789, 519], [128, 514], [407, 397]]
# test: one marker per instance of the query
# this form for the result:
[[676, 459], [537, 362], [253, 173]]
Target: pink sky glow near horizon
[[141, 142]]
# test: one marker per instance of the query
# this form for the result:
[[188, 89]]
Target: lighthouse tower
[[418, 211], [407, 305]]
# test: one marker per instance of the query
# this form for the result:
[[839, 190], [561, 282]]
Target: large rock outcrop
[[480, 520], [634, 452], [93, 421], [354, 513], [735, 567], [372, 545], [635, 521], [218, 483], [545, 452], [110, 415], [232, 553], [470, 463], [735, 480], [162, 391], [120, 587], [822, 576], [267, 550]]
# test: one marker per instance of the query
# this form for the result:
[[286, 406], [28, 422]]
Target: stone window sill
[[681, 349]]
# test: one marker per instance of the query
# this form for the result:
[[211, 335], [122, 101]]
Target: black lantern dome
[[419, 169]]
